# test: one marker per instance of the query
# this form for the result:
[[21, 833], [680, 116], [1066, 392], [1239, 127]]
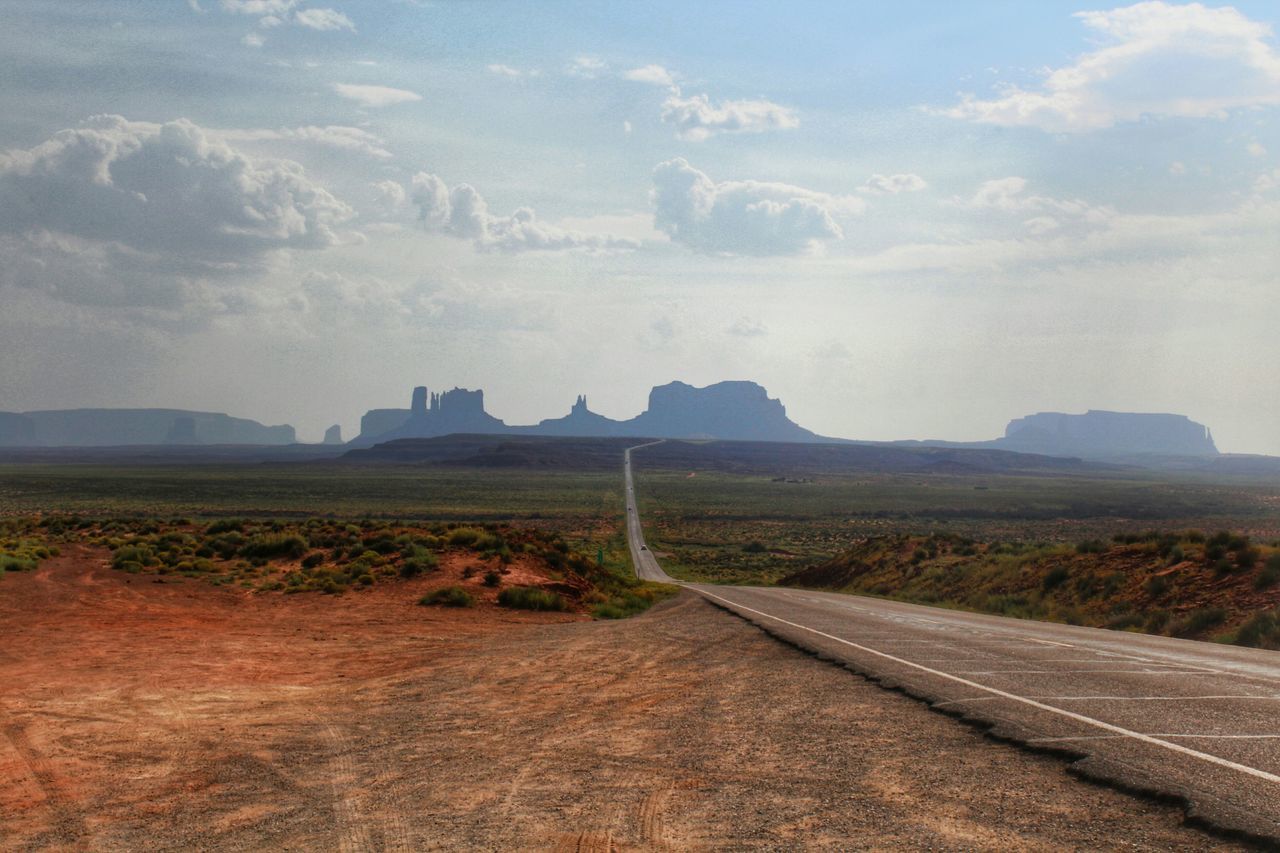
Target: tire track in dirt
[[393, 824], [66, 820], [652, 830], [588, 841], [353, 833]]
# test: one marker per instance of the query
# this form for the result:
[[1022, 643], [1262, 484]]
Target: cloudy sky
[[907, 220]]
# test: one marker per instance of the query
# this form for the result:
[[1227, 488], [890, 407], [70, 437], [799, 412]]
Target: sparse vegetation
[[1195, 586], [531, 598], [448, 596]]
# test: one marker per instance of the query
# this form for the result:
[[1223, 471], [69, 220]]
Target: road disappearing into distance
[[1194, 720]]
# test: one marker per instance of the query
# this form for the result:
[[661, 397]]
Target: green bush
[[1091, 546], [1055, 578], [531, 598], [448, 596], [1261, 631], [463, 537], [225, 525], [1270, 574], [274, 545], [1198, 621]]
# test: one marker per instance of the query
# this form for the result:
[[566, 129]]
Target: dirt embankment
[[136, 715]]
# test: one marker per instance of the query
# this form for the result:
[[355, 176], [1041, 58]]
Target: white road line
[[998, 635], [1081, 672], [1138, 736], [1113, 699], [1118, 737]]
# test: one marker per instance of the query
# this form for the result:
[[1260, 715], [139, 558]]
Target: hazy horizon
[[917, 221]]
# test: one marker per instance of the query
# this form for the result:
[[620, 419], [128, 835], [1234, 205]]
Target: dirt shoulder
[[167, 716]]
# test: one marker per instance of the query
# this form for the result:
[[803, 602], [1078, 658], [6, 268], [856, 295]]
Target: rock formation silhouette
[[122, 427], [1099, 434], [727, 410]]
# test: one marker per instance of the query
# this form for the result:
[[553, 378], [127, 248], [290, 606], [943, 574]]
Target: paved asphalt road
[[1194, 720]]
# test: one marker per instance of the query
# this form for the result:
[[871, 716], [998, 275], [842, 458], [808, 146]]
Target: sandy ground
[[136, 715]]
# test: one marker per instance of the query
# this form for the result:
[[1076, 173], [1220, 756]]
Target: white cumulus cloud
[[1154, 59], [696, 118], [139, 214], [1044, 213], [325, 20], [652, 74], [340, 137], [586, 66], [171, 186], [375, 96], [258, 7], [744, 217], [894, 184], [462, 212]]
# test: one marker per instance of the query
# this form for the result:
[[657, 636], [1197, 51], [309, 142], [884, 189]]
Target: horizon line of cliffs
[[731, 410]]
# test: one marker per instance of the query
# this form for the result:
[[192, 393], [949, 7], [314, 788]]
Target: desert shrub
[[1261, 631], [1125, 622], [16, 564], [140, 554], [623, 606], [1176, 555], [463, 537], [1219, 539], [531, 598], [274, 545], [380, 544], [1198, 621], [1111, 583], [1086, 586], [1270, 574], [1157, 585], [1222, 566], [492, 578], [754, 547], [312, 560], [225, 525], [1247, 558], [1055, 578], [448, 596], [1091, 546], [1156, 621], [420, 563]]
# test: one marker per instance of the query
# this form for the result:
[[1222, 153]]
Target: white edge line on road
[[1154, 741]]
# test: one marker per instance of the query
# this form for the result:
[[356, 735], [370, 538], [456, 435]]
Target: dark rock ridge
[[1151, 440], [726, 410], [1097, 434], [123, 427]]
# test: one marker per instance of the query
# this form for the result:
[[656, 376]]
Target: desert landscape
[[651, 425], [181, 715]]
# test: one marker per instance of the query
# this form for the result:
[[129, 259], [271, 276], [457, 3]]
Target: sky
[[905, 220]]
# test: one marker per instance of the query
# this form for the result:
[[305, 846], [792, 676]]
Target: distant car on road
[[644, 548]]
